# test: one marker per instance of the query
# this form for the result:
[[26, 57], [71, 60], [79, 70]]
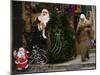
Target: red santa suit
[[21, 59]]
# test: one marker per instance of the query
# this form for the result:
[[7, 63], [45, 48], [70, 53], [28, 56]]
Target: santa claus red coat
[[21, 59]]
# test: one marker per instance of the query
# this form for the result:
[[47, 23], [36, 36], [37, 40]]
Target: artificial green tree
[[61, 34]]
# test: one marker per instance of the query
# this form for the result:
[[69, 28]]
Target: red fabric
[[21, 62], [21, 65]]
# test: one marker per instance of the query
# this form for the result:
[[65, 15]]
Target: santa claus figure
[[21, 59], [42, 21]]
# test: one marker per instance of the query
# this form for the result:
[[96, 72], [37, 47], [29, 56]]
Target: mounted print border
[[52, 37]]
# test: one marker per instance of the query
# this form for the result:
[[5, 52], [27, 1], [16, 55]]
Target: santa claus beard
[[44, 18]]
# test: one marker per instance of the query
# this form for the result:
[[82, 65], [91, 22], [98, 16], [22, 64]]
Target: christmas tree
[[61, 35]]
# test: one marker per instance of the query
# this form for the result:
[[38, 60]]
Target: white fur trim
[[16, 62], [44, 10], [19, 68], [44, 36], [26, 66], [39, 18], [21, 62]]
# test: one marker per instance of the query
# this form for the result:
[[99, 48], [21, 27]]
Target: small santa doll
[[42, 21], [21, 59]]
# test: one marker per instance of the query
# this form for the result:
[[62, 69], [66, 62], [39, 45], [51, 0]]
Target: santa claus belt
[[18, 62]]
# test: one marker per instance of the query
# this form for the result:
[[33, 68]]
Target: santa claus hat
[[22, 49], [82, 16], [44, 10]]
